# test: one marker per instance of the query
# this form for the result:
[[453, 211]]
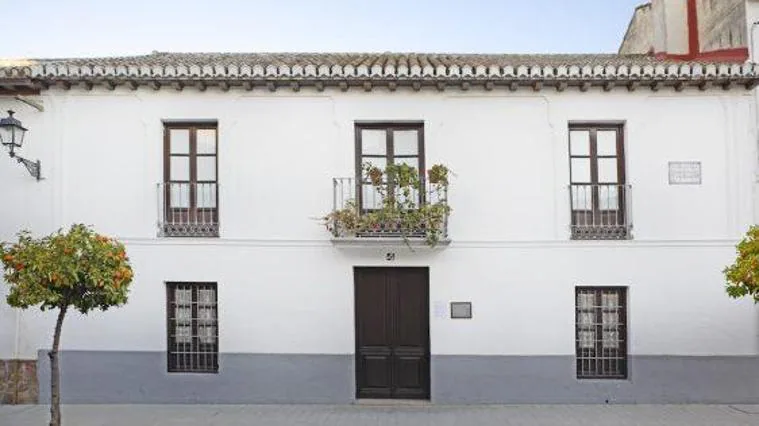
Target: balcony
[[601, 211], [188, 209], [413, 214]]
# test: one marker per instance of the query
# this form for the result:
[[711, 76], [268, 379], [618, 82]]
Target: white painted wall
[[283, 288], [26, 204]]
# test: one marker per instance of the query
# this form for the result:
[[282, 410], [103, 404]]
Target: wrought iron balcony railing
[[360, 211], [601, 211], [188, 209]]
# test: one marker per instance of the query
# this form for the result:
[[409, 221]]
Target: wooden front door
[[392, 333]]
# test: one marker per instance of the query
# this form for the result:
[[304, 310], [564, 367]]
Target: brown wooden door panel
[[392, 333], [412, 312], [411, 375], [373, 356], [377, 373], [374, 328]]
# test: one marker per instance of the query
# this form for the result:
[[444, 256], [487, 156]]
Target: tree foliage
[[743, 275], [78, 268]]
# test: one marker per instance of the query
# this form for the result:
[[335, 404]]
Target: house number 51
[[390, 256]]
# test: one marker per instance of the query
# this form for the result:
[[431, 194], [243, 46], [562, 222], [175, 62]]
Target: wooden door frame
[[192, 127], [389, 127], [592, 127], [356, 352]]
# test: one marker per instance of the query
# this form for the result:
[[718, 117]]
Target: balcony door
[[190, 180], [381, 144], [597, 186]]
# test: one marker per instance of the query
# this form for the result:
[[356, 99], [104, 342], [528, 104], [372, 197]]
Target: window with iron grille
[[601, 332], [189, 190], [193, 334]]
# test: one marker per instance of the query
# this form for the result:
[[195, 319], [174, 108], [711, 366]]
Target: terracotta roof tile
[[355, 59], [405, 67]]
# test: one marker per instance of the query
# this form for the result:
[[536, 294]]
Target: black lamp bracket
[[33, 167]]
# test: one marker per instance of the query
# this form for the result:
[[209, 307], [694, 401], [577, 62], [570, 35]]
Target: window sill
[[597, 380]]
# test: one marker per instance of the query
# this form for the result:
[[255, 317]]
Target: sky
[[80, 28]]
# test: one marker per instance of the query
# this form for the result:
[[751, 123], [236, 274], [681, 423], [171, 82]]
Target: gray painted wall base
[[141, 378], [552, 380]]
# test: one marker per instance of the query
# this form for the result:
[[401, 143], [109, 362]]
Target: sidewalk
[[380, 415]]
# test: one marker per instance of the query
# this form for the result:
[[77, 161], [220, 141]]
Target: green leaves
[[743, 275], [78, 268], [398, 186], [438, 175], [403, 176]]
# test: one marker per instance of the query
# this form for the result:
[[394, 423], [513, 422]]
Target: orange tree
[[743, 275], [77, 269]]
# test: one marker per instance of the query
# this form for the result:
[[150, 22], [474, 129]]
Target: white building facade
[[595, 202]]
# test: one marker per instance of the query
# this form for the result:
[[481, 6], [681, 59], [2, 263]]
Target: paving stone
[[381, 415]]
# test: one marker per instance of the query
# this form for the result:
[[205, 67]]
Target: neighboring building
[[639, 39], [689, 30], [722, 25], [596, 199]]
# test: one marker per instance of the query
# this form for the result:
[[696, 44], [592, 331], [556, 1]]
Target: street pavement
[[386, 415]]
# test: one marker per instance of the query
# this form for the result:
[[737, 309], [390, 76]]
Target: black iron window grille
[[193, 331], [601, 332]]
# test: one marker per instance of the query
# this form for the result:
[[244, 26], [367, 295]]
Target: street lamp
[[12, 136]]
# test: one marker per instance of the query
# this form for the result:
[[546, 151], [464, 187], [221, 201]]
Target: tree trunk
[[55, 373]]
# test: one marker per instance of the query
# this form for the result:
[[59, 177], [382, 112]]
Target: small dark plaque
[[461, 310]]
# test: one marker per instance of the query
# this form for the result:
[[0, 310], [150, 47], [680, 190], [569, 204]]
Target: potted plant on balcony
[[438, 175], [408, 207]]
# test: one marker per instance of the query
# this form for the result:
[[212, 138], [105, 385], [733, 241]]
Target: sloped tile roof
[[371, 68], [354, 59]]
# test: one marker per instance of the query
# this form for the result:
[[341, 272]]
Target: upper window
[[189, 195], [598, 190], [601, 332], [193, 333], [383, 144]]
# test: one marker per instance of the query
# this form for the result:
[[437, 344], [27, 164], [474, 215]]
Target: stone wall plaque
[[685, 173]]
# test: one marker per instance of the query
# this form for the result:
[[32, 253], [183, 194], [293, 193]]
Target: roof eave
[[678, 75], [20, 86], [368, 85]]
